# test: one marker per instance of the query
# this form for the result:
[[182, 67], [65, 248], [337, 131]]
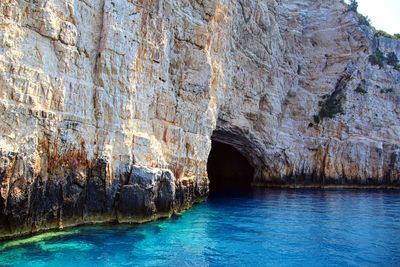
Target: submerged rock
[[107, 108]]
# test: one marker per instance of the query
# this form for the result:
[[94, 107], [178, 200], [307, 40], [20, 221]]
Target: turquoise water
[[272, 227]]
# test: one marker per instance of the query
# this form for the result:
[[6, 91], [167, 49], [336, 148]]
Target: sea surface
[[260, 228]]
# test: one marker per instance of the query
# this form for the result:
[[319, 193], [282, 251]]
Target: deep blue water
[[271, 227]]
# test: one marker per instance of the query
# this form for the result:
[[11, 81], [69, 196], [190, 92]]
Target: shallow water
[[271, 227]]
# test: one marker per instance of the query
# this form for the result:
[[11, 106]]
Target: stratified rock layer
[[108, 107]]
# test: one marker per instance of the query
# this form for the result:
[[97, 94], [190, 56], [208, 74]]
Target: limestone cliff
[[108, 107]]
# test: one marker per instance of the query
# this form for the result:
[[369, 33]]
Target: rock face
[[108, 107]]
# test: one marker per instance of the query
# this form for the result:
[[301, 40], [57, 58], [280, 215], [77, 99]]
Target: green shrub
[[361, 89], [330, 108], [392, 59], [377, 58], [397, 67], [364, 20], [380, 33], [332, 104], [317, 119], [353, 6]]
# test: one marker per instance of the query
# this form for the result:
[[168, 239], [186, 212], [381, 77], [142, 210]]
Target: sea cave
[[228, 170]]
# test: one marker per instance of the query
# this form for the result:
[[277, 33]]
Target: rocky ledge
[[86, 194]]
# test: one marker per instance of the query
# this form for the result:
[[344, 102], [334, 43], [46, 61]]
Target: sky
[[384, 14]]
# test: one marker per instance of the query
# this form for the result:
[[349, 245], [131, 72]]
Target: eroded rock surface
[[108, 107]]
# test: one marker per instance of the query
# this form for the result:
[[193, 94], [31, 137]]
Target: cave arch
[[228, 170]]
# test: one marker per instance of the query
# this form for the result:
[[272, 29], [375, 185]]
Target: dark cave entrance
[[228, 170]]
